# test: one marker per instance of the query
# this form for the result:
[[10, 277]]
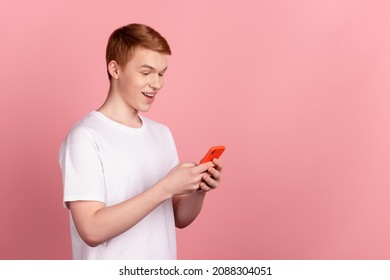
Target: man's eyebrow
[[151, 67]]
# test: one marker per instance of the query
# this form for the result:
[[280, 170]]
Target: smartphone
[[214, 152]]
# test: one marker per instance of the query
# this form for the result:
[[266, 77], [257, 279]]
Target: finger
[[195, 188], [188, 164], [215, 174], [203, 167], [198, 179], [218, 164], [203, 187], [210, 181]]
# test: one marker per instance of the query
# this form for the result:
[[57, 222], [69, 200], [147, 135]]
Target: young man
[[123, 182]]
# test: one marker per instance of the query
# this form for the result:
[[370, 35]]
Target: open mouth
[[148, 94]]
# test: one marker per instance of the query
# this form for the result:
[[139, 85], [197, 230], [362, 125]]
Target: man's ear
[[113, 69]]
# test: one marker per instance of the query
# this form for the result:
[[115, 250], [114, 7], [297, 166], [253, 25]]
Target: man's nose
[[156, 82]]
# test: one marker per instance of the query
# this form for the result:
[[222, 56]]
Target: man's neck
[[118, 111]]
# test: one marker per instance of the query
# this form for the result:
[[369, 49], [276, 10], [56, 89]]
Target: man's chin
[[145, 109]]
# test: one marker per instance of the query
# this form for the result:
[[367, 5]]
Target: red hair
[[124, 40]]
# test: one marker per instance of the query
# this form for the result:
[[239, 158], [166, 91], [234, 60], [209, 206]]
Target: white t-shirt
[[103, 160]]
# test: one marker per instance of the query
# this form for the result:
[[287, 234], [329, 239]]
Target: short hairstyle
[[124, 40]]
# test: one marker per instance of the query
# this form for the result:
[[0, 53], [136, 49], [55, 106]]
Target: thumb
[[187, 164]]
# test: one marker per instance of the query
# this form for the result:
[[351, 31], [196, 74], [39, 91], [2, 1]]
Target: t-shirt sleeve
[[82, 171]]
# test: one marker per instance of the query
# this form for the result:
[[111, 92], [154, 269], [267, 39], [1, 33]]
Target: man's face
[[141, 78]]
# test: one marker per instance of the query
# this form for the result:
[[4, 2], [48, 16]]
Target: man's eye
[[145, 73], [161, 74]]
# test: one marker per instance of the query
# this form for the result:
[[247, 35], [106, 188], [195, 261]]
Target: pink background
[[298, 91]]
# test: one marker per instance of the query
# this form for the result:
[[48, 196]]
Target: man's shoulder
[[84, 128]]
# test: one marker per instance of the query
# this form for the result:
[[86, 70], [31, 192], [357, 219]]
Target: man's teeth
[[148, 94]]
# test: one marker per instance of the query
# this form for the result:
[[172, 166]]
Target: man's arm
[[188, 206], [97, 223]]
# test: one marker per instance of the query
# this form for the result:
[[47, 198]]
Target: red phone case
[[214, 152]]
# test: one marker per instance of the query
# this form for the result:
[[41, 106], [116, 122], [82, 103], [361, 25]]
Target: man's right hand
[[186, 177]]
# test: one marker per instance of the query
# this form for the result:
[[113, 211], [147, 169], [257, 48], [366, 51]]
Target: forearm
[[97, 223], [187, 207], [102, 223]]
